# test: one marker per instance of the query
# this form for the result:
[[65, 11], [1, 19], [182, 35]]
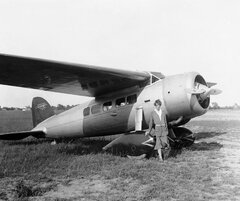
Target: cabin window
[[131, 99], [120, 102], [96, 109], [86, 111], [107, 106]]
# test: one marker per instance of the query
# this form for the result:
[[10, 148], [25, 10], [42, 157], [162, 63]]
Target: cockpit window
[[154, 79]]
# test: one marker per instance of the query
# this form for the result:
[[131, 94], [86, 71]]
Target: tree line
[[59, 107], [214, 106]]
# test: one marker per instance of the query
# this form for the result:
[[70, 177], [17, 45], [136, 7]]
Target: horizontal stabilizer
[[21, 135]]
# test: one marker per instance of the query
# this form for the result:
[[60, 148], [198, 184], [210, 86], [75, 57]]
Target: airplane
[[122, 104]]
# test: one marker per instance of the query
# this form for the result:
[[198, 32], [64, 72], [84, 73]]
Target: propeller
[[203, 91], [210, 91]]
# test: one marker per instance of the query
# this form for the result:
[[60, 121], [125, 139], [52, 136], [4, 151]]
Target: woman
[[159, 122]]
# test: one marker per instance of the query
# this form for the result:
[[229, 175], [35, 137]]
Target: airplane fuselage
[[115, 112]]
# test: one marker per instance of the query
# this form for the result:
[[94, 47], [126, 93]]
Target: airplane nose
[[187, 95], [203, 91]]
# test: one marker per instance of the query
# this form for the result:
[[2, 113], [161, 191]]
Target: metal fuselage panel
[[66, 124], [117, 120]]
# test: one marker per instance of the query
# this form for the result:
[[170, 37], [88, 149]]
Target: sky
[[171, 36]]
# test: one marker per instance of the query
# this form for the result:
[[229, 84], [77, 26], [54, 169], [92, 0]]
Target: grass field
[[33, 169]]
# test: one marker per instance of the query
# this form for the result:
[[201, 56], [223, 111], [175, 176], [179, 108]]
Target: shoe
[[160, 159]]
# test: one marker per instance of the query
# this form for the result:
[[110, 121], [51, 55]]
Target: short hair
[[157, 102]]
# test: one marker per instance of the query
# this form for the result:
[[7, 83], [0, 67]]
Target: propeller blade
[[210, 92], [213, 91], [210, 84], [195, 91], [203, 90]]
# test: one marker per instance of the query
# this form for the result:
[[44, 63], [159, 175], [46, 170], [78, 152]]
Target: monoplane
[[122, 99]]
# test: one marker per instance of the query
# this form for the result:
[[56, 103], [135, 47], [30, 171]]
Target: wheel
[[184, 137]]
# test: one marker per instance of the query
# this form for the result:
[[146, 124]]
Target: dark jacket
[[155, 120]]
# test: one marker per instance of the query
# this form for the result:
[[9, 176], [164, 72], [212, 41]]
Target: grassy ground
[[15, 121], [33, 169]]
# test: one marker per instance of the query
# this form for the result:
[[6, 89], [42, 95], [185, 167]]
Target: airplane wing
[[76, 79], [21, 135]]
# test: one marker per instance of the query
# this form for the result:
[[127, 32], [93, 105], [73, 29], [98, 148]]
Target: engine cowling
[[182, 95]]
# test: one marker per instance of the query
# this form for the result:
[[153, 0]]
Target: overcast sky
[[171, 36]]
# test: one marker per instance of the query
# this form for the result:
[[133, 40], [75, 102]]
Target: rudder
[[41, 110]]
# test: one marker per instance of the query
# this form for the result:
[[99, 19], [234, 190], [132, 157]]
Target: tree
[[60, 107], [215, 105], [236, 106]]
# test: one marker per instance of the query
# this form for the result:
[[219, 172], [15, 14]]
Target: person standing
[[158, 122]]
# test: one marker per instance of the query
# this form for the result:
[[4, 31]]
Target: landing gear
[[183, 137], [136, 144]]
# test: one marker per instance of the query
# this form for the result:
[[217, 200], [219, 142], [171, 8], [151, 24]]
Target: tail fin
[[41, 110]]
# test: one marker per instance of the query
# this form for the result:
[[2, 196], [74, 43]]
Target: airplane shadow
[[205, 146], [87, 146], [94, 146], [83, 146], [202, 135]]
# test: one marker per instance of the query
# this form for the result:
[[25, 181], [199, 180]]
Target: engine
[[185, 95]]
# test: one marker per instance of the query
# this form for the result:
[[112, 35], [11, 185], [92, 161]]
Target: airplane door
[[124, 112], [138, 118]]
